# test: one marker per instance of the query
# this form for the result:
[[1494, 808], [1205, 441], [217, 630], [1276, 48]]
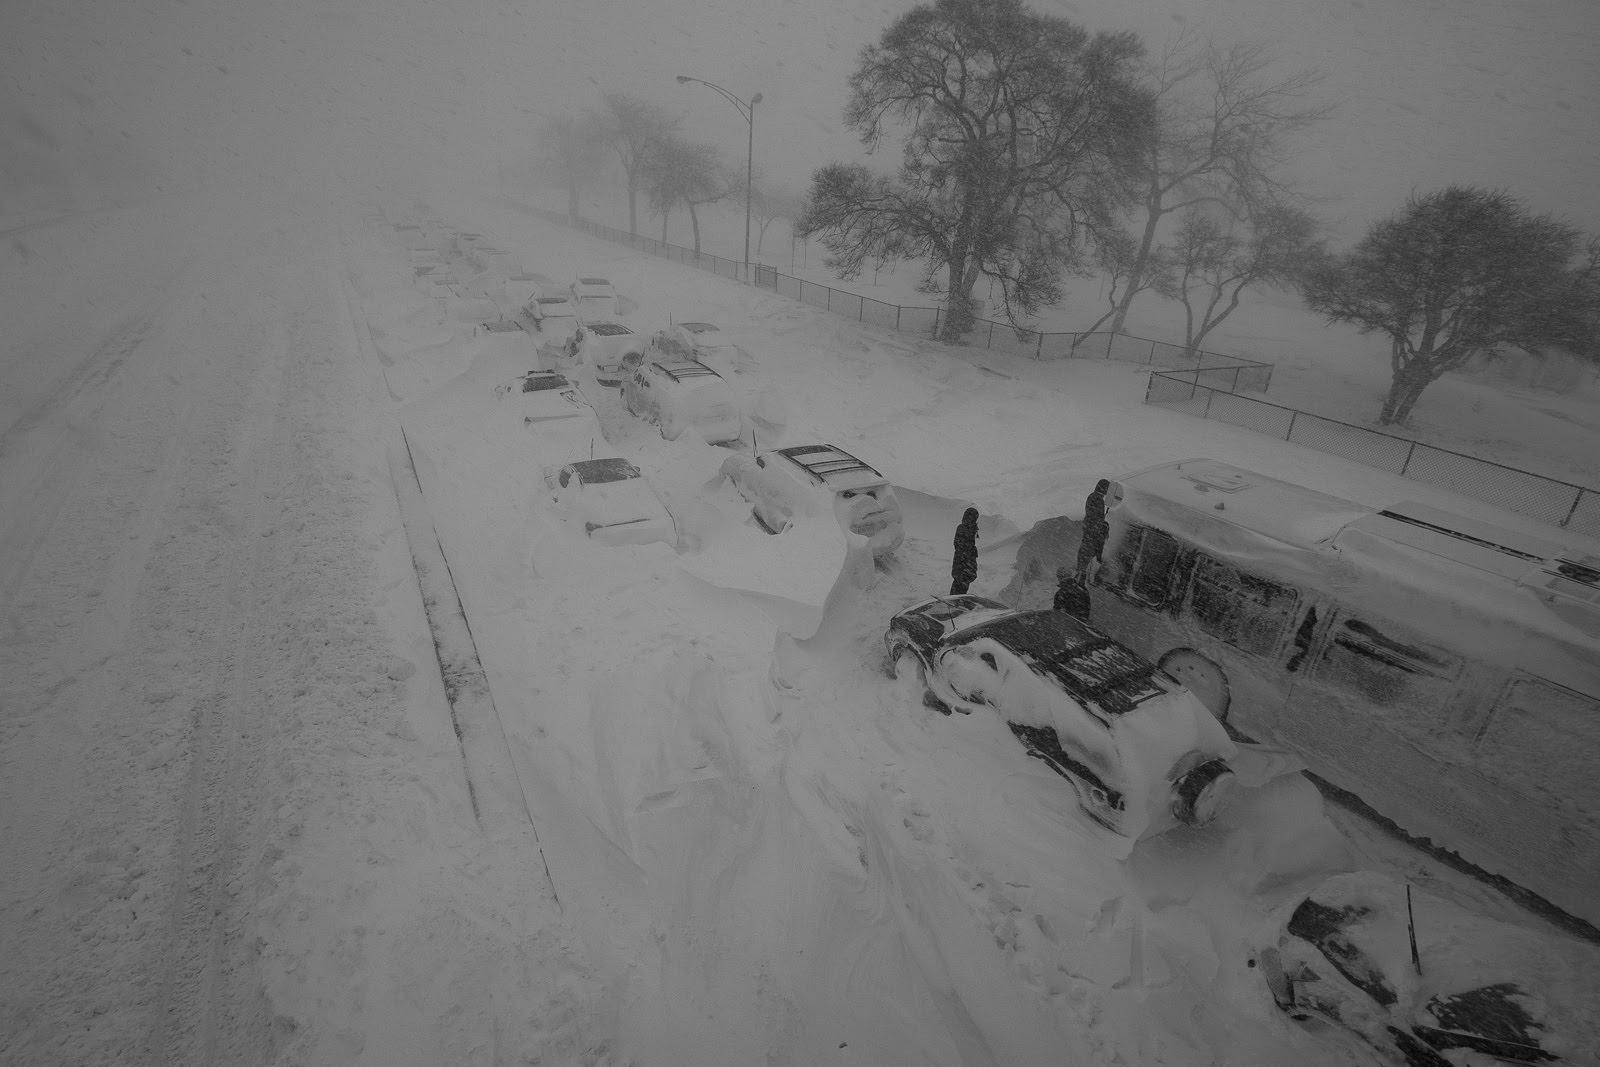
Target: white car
[[806, 479], [555, 411], [1141, 751], [605, 346], [710, 345], [551, 316], [676, 394], [612, 501], [595, 300]]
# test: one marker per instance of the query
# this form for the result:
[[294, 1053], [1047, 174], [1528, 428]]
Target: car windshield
[[608, 329], [697, 327], [595, 471], [552, 300], [538, 383], [593, 281]]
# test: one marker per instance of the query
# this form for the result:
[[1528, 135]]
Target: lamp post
[[748, 111]]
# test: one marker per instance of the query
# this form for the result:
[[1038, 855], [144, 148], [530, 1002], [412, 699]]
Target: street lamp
[[748, 111]]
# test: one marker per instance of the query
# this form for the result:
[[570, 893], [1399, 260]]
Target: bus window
[[1386, 666], [1247, 612], [1147, 561]]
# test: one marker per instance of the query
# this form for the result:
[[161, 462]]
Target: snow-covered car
[[676, 394], [595, 300], [710, 345], [550, 315], [809, 479], [552, 407], [612, 502], [605, 346], [1142, 752], [1347, 953]]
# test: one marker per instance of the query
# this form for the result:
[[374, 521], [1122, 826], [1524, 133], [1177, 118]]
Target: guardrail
[[1550, 500], [1220, 371]]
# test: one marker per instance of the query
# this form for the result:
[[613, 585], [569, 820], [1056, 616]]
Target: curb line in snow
[[473, 714]]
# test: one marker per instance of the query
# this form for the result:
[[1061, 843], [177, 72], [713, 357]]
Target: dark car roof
[[1091, 667], [680, 369], [596, 471], [823, 461], [539, 381]]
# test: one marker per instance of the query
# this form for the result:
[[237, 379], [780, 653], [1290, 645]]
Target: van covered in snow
[[1444, 669]]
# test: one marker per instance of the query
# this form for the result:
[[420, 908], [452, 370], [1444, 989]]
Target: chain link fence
[[1212, 369], [1548, 500]]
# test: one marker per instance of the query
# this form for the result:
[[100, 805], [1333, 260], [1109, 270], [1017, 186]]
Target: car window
[[566, 476], [988, 657]]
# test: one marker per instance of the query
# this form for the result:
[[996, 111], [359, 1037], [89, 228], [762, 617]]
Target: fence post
[[1038, 353], [1288, 434], [828, 300], [1210, 393], [862, 317], [1235, 380], [897, 316], [990, 342], [1573, 510], [1152, 359], [1409, 453]]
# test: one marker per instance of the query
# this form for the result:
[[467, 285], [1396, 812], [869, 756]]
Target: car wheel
[[1201, 794], [1201, 677]]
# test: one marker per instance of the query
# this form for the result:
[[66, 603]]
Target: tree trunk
[[1141, 263], [664, 225], [1404, 391], [633, 204], [573, 210], [694, 222]]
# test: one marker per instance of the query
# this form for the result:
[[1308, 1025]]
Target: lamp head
[[756, 99], [682, 78]]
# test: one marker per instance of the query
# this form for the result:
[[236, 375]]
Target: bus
[[1443, 669]]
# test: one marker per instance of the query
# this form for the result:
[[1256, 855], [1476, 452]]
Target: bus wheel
[[1201, 677]]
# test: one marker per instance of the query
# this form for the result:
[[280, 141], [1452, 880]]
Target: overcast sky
[[399, 93]]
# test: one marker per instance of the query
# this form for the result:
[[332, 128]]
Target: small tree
[[684, 172], [631, 127], [1456, 273], [1214, 258], [1021, 130], [768, 204], [1219, 139], [1117, 256]]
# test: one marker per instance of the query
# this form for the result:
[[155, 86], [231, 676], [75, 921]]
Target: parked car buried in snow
[[553, 408], [1141, 751], [605, 346], [551, 316], [806, 479], [595, 300], [1347, 954], [710, 345], [676, 394], [612, 502]]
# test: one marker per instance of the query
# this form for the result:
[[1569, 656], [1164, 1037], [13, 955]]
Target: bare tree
[[1116, 255], [1460, 272], [569, 149], [1220, 138], [688, 173], [1216, 257], [769, 204], [1021, 130], [631, 127]]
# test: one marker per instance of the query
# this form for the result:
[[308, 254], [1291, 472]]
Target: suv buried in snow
[[1141, 751], [679, 393], [803, 479]]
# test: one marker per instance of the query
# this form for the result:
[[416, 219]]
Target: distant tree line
[[658, 165]]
